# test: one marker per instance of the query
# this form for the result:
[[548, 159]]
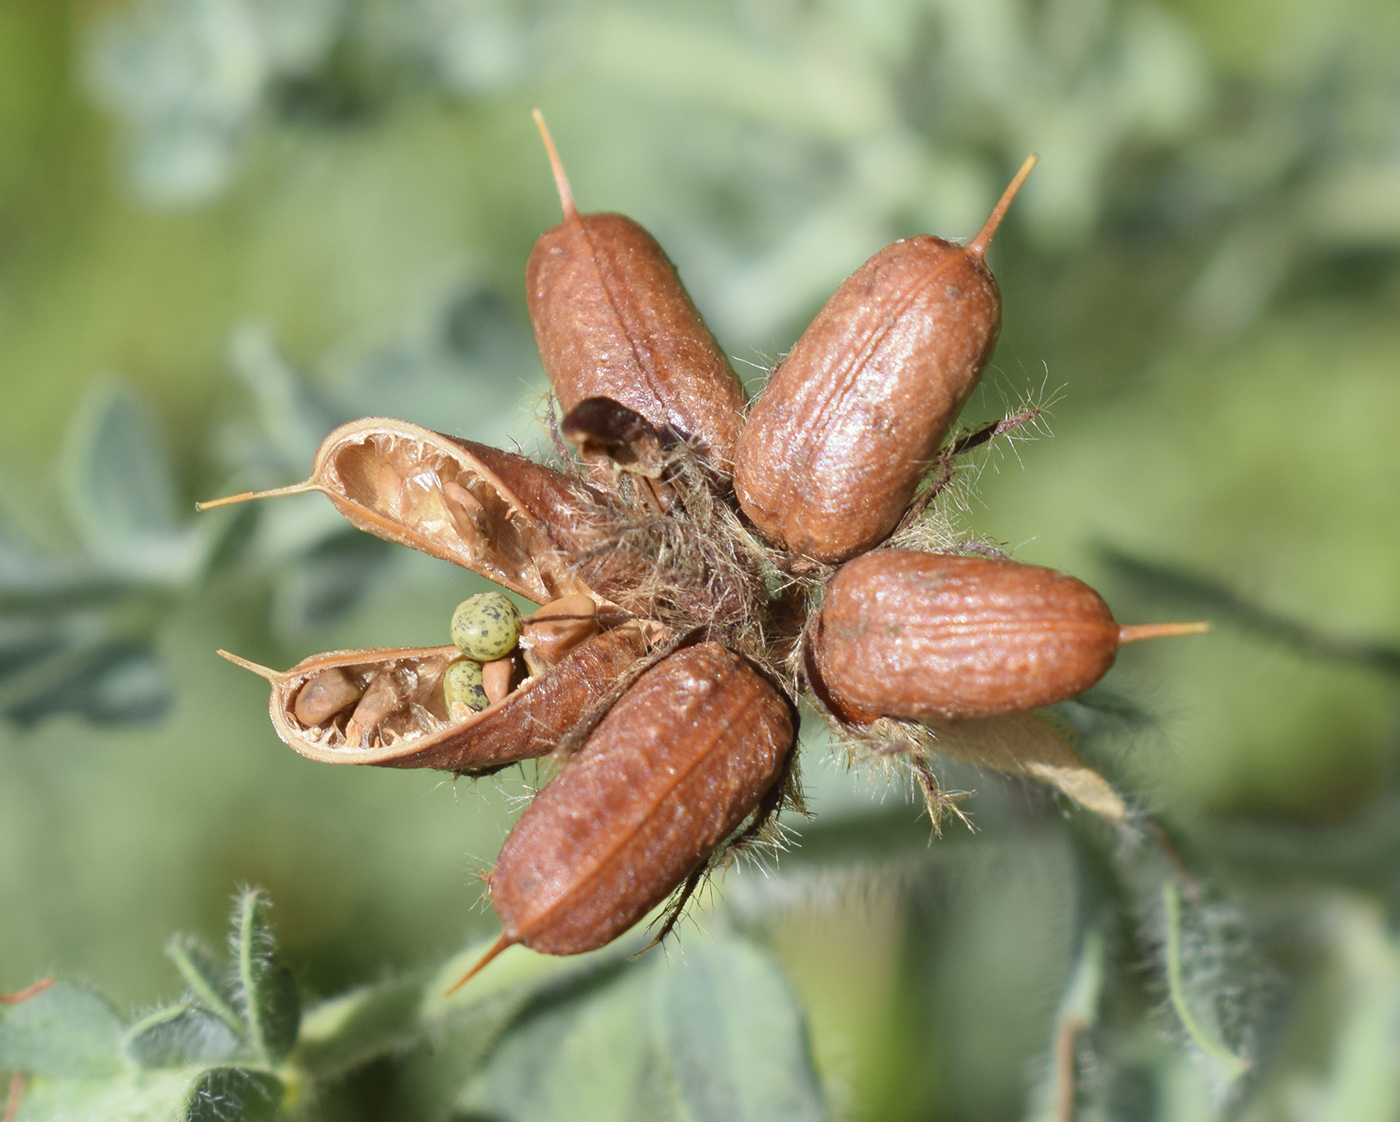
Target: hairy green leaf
[[360, 1026], [579, 1056], [134, 1096], [233, 1094], [734, 1036], [1053, 1100], [120, 493], [1363, 1078], [65, 1031], [206, 976], [1198, 1022], [264, 992], [179, 1036], [715, 1033]]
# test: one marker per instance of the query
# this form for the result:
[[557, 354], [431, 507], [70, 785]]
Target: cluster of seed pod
[[698, 566]]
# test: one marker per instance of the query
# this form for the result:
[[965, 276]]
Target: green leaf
[[1079, 1010], [120, 493], [106, 683], [181, 1036], [206, 976], [294, 416], [714, 1034], [360, 1026], [579, 1057], [326, 582], [264, 992], [65, 1031], [734, 1037], [1363, 1079], [233, 1094], [464, 1028], [1199, 1023], [135, 1096]]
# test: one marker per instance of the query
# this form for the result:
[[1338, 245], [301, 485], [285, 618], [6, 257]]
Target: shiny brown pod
[[909, 634], [670, 773], [613, 320], [836, 444]]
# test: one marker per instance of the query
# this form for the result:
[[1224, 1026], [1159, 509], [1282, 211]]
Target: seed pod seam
[[841, 385]]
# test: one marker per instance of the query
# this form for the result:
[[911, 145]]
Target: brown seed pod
[[400, 719], [613, 320], [836, 444], [680, 747], [672, 770], [909, 634], [507, 518]]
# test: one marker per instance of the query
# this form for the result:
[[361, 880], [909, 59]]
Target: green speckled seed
[[486, 626], [462, 682]]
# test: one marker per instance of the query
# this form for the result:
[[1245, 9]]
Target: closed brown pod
[[612, 320], [910, 634], [672, 770], [836, 444]]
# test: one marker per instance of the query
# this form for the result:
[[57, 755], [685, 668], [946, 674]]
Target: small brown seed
[[836, 444], [560, 626], [325, 696], [380, 699], [908, 634], [613, 320], [673, 769], [496, 678]]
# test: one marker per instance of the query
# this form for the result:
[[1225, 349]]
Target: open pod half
[[386, 706], [511, 520]]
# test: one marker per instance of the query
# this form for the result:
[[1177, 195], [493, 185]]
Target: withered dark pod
[[677, 613]]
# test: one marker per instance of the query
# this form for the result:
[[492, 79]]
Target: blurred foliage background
[[228, 225]]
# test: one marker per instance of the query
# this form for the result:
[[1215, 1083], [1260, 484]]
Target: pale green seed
[[486, 626], [462, 683]]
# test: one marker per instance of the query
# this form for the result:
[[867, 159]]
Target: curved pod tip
[[1137, 631], [556, 165], [272, 493], [257, 668], [978, 245], [491, 952]]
